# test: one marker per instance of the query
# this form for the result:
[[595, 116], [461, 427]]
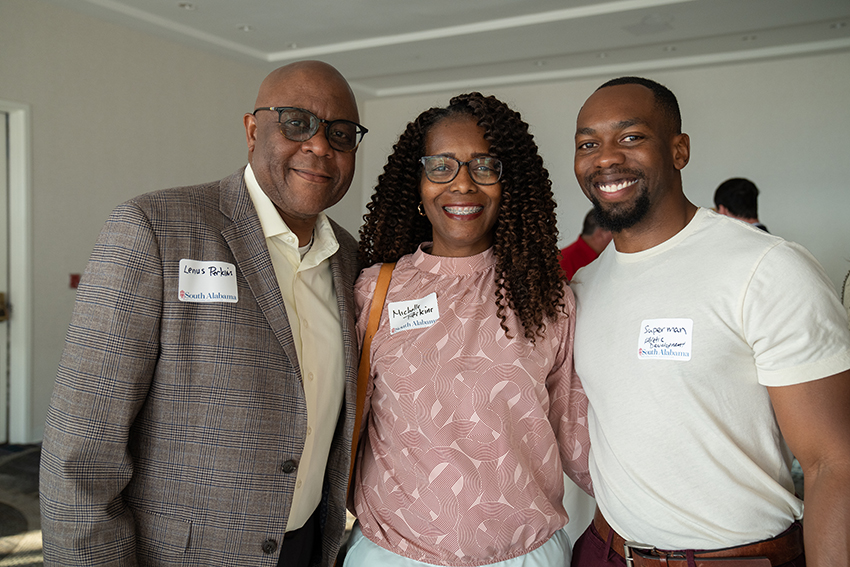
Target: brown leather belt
[[776, 551]]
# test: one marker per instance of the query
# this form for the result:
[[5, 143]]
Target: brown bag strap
[[378, 299]]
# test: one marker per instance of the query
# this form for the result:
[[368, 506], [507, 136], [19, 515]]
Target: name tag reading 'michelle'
[[665, 339], [207, 282], [414, 314]]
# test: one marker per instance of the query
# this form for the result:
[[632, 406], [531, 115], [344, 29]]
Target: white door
[[4, 277]]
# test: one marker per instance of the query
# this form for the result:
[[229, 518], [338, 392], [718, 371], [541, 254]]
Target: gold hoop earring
[[421, 210]]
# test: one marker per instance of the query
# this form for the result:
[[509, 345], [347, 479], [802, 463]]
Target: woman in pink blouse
[[474, 408]]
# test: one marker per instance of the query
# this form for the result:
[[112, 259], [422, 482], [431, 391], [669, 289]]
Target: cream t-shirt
[[674, 346]]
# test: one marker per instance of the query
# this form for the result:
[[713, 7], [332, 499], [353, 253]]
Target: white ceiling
[[396, 47]]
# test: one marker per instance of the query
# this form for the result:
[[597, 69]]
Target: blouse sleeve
[[364, 289], [568, 402]]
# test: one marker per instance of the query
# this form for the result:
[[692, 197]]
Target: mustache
[[311, 164], [590, 178]]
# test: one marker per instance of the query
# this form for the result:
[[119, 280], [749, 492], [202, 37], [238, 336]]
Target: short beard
[[618, 220]]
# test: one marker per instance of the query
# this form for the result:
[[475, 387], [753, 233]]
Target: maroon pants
[[592, 551]]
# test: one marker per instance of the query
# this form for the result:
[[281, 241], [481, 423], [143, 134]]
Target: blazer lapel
[[248, 245], [345, 301], [344, 267]]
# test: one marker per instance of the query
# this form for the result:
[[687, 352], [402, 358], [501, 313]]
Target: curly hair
[[529, 280]]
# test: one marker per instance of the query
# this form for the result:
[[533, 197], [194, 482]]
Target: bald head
[[303, 78], [302, 178]]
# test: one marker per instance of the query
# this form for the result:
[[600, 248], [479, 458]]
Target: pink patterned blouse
[[470, 431]]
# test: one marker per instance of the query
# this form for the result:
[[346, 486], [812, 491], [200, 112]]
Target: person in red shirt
[[589, 244]]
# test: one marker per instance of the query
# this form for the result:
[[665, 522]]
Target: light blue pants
[[362, 552]]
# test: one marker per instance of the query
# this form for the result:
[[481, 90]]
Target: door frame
[[20, 394]]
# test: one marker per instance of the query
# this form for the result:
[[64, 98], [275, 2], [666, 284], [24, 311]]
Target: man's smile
[[311, 175], [615, 186]]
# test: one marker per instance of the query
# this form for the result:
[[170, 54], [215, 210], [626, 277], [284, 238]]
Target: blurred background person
[[738, 198], [587, 247]]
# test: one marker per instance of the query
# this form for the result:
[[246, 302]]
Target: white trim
[[181, 29], [538, 18], [4, 275], [618, 69], [466, 29], [368, 43], [20, 275]]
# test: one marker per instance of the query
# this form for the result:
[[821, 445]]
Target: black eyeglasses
[[300, 125], [443, 169]]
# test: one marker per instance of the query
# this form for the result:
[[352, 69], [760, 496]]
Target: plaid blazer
[[172, 425]]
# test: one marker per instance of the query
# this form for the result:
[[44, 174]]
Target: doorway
[[4, 279], [16, 408]]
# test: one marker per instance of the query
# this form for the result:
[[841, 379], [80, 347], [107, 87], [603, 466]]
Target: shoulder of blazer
[[213, 204], [234, 199], [192, 200], [347, 253]]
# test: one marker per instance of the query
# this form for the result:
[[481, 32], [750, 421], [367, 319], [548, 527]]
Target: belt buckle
[[629, 546]]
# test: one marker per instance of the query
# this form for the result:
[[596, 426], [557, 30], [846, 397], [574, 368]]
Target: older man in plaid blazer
[[204, 405]]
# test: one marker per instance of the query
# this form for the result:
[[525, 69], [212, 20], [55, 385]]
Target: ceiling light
[[292, 45], [602, 55], [669, 48], [539, 63], [246, 28], [186, 6], [838, 25]]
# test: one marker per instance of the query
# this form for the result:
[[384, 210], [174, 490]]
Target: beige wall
[[116, 113], [781, 123]]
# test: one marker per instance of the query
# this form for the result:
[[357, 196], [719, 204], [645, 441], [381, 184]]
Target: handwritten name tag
[[207, 282], [414, 314], [665, 339]]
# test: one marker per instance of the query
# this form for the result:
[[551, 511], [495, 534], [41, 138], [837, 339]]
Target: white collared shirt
[[311, 306]]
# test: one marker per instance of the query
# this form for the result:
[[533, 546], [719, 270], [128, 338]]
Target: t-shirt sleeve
[[793, 319]]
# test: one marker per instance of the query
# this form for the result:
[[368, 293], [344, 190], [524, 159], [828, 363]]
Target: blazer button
[[269, 546], [289, 466]]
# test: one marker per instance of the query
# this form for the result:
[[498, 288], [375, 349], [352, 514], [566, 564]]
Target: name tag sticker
[[207, 282], [665, 339], [414, 314]]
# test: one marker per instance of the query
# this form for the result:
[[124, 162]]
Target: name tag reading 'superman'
[[207, 282], [666, 339]]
